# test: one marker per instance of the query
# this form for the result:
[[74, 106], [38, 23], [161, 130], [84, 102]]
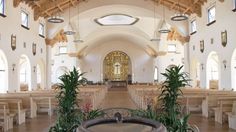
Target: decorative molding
[[59, 37], [174, 35]]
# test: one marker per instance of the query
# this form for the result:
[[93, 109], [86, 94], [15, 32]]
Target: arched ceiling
[[45, 8], [91, 32]]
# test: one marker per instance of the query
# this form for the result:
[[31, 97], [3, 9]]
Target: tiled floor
[[118, 99]]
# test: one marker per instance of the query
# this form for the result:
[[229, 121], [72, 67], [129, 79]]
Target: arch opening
[[195, 73], [213, 71], [117, 67], [25, 74]]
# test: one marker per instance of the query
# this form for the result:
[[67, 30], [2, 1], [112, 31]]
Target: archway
[[59, 72], [195, 73], [213, 67], [3, 73], [117, 67], [233, 70], [25, 73]]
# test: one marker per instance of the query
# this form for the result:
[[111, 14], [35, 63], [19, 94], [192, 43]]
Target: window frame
[[2, 13], [171, 45], [208, 18], [27, 25], [62, 53], [43, 31], [191, 24]]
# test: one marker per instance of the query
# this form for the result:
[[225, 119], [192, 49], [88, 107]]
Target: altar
[[118, 84]]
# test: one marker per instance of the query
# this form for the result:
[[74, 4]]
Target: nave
[[119, 99]]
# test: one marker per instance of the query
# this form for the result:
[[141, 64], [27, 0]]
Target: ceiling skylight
[[116, 20]]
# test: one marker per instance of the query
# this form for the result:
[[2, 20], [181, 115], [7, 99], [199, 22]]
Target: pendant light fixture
[[70, 30], [56, 18], [155, 24], [178, 15], [77, 36], [164, 27]]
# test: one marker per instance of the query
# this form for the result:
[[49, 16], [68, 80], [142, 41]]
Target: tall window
[[155, 74], [62, 50], [171, 48], [24, 19], [2, 7], [23, 73], [211, 14], [41, 30], [193, 26]]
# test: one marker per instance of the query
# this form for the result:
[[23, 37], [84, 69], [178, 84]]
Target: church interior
[[102, 59]]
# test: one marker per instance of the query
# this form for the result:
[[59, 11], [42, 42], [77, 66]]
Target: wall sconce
[[13, 67], [202, 66], [34, 69], [224, 63]]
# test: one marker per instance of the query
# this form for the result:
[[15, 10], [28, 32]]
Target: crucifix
[[117, 68]]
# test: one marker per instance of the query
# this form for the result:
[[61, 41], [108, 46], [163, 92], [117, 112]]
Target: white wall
[[225, 20], [142, 63], [12, 25]]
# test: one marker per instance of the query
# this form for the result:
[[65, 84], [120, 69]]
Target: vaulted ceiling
[[45, 8]]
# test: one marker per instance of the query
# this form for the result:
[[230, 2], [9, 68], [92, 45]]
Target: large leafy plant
[[69, 114], [170, 109], [170, 113]]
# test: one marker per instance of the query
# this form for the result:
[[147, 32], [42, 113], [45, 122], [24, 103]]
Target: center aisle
[[117, 99]]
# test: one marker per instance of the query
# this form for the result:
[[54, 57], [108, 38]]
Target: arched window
[[212, 71], [25, 73]]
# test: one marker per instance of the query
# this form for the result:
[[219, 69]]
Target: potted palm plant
[[171, 115], [69, 114]]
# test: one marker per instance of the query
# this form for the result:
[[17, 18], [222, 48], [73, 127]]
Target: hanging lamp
[[164, 27], [178, 15], [70, 30], [77, 36], [154, 23], [56, 18]]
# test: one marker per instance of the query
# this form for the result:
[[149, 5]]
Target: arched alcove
[[212, 71], [24, 73], [3, 73], [170, 66], [60, 71], [233, 70], [117, 66], [195, 72]]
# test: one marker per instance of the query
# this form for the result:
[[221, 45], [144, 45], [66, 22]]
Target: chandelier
[[56, 18], [164, 27], [155, 34], [178, 16], [70, 30], [77, 36]]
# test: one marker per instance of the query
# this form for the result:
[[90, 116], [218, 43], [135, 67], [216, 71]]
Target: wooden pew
[[15, 106], [6, 118], [224, 106]]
